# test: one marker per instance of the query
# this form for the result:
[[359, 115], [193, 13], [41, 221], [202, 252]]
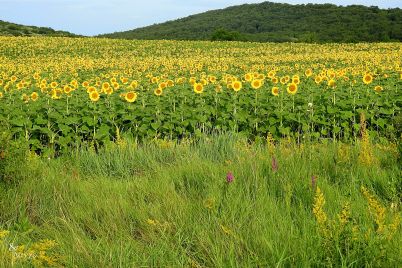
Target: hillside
[[280, 23], [12, 29]]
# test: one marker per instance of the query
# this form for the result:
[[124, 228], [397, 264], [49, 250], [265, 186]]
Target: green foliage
[[169, 204], [274, 22], [12, 29], [12, 157], [225, 35]]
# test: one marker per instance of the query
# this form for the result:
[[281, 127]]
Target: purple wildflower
[[313, 181], [274, 164], [229, 177]]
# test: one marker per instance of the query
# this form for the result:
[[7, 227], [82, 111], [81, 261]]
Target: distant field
[[199, 154]]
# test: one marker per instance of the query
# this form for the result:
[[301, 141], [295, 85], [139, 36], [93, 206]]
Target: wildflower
[[344, 216], [229, 177], [376, 209], [313, 181], [274, 164], [3, 234], [151, 222], [318, 210]]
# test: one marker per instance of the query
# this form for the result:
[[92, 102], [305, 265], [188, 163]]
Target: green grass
[[165, 204]]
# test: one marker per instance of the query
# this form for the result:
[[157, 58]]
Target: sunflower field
[[59, 93]]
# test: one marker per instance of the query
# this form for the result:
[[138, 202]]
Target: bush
[[225, 35]]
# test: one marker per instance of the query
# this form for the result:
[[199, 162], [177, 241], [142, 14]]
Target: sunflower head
[[34, 96], [275, 91], [130, 96], [158, 91], [94, 96], [367, 79], [256, 83], [198, 88], [292, 88], [237, 86], [378, 88]]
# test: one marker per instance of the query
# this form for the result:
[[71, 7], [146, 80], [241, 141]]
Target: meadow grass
[[169, 204]]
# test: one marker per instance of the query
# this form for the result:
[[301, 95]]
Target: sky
[[92, 17]]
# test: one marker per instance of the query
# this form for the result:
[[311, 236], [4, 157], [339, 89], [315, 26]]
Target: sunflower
[[91, 89], [116, 86], [105, 86], [34, 96], [256, 84], [308, 72], [248, 77], [108, 90], [332, 83], [275, 80], [192, 81], [237, 86], [56, 94], [158, 91], [130, 96], [275, 91], [94, 96], [198, 88], [317, 79], [133, 84], [271, 74], [54, 84], [85, 84], [124, 80], [1, 95], [212, 79], [163, 85], [367, 79], [170, 83], [67, 89], [25, 98], [43, 87], [292, 88], [378, 88], [296, 79]]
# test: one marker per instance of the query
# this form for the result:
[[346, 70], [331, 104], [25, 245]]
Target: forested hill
[[12, 29], [280, 23]]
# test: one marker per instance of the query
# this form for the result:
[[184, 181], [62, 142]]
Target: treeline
[[274, 22], [12, 29]]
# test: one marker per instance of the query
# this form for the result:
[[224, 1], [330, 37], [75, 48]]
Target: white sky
[[91, 17]]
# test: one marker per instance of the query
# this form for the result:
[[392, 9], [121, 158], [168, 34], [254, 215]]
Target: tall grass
[[167, 204]]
